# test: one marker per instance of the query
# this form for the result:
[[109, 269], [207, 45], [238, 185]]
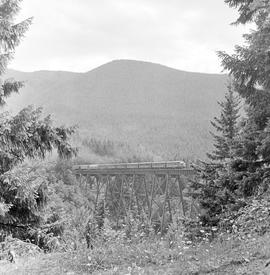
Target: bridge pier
[[157, 195]]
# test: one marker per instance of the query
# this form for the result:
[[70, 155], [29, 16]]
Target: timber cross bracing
[[155, 190]]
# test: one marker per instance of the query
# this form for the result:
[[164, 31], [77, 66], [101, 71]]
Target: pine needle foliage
[[11, 34], [226, 126], [240, 167], [27, 135]]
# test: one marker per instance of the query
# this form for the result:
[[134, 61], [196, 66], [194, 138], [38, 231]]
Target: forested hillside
[[163, 109], [212, 218]]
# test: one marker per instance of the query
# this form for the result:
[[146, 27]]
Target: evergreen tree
[[224, 185], [248, 9], [250, 64], [25, 135], [226, 126], [250, 68], [10, 37], [216, 186]]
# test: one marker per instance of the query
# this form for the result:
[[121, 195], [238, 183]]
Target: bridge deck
[[172, 168], [125, 187]]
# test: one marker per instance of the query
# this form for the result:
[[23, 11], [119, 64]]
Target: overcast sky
[[79, 35]]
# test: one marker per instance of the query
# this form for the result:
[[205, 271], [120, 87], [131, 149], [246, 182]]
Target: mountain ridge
[[113, 62], [140, 102]]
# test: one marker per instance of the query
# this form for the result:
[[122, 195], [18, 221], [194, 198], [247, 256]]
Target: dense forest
[[45, 208], [119, 101]]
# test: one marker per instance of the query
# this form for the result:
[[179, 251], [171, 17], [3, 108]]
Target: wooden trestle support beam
[[157, 195]]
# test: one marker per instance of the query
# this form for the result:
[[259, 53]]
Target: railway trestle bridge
[[156, 190]]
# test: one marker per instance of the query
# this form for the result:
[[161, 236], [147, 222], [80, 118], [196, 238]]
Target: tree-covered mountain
[[164, 109]]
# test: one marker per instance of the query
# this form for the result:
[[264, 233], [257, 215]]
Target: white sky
[[79, 35]]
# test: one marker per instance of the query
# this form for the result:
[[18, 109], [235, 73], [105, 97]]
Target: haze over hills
[[164, 109]]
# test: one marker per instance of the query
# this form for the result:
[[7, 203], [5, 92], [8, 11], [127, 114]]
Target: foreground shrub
[[113, 248], [253, 219]]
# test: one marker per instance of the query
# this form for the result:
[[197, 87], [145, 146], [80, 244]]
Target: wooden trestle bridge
[[155, 190]]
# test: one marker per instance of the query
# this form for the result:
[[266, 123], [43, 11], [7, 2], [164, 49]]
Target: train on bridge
[[133, 165], [141, 187]]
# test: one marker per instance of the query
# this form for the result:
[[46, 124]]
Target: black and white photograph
[[134, 137]]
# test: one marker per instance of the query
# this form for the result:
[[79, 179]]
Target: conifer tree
[[216, 185], [23, 136], [224, 185], [250, 68], [226, 127], [250, 64], [10, 36]]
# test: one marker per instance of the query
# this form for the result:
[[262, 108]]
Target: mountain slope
[[162, 108]]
